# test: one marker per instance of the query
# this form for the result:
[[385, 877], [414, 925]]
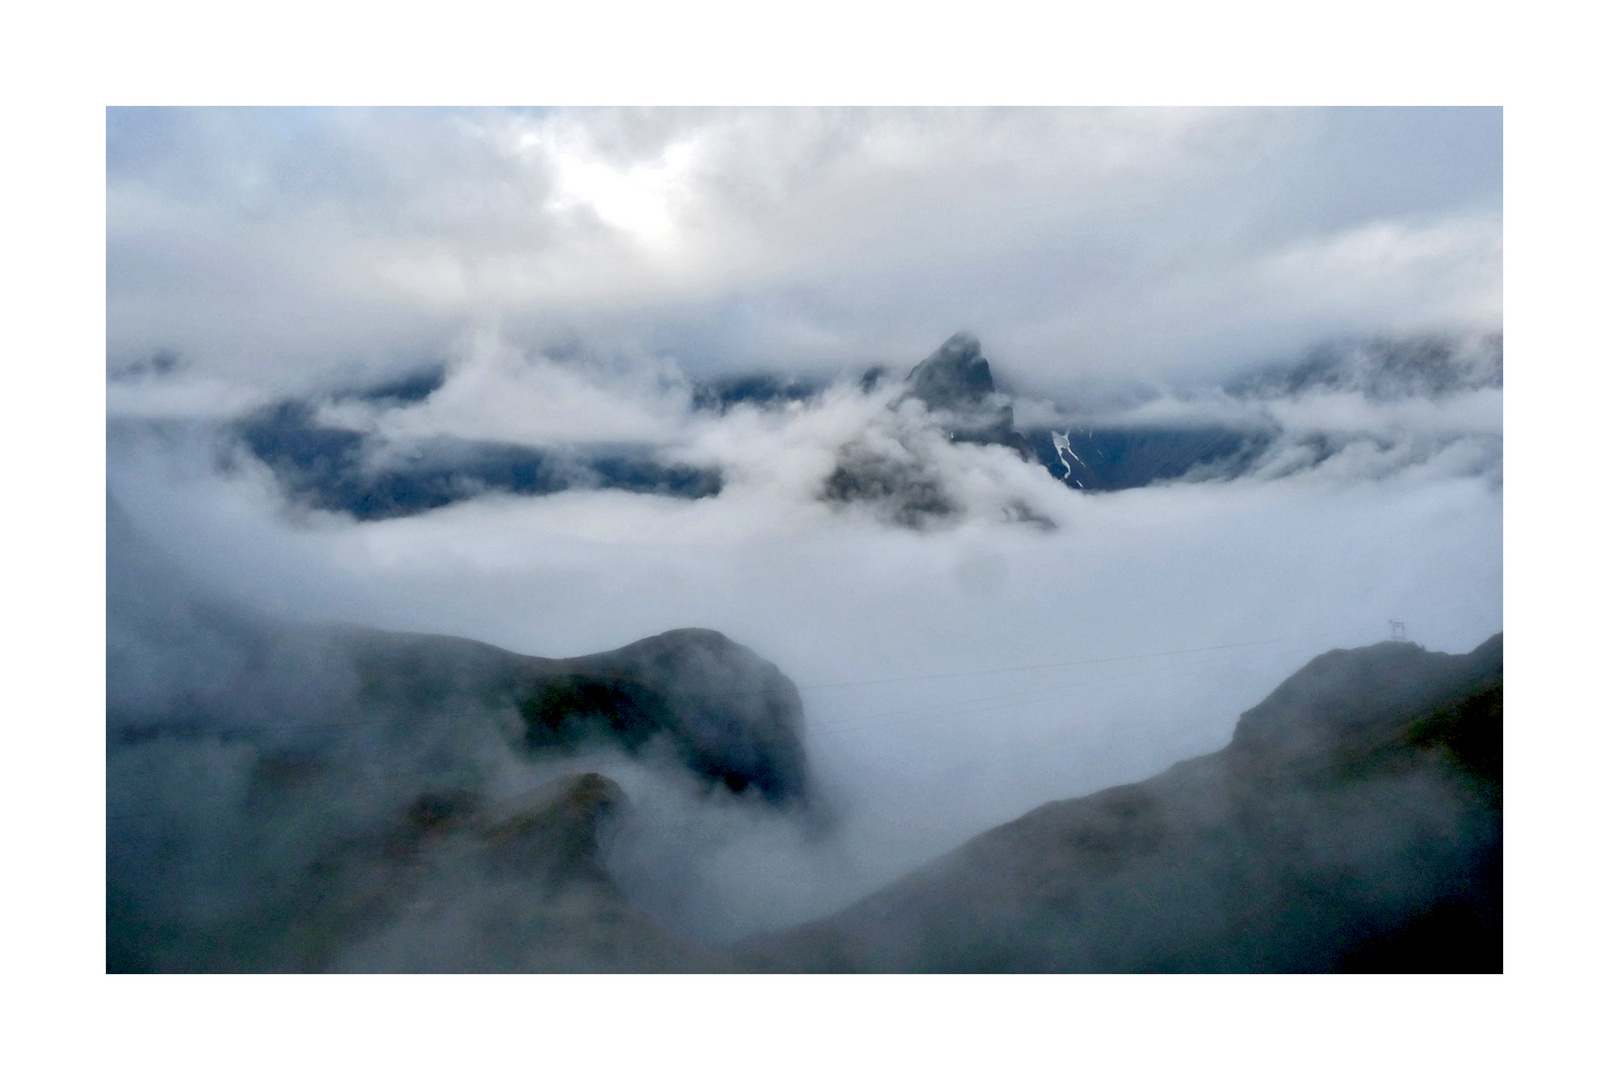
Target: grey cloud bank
[[267, 244]]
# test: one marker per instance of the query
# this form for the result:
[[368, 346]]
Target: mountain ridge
[[350, 815], [1347, 826]]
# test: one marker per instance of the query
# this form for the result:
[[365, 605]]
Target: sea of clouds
[[954, 675]]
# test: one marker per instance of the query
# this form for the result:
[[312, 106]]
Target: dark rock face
[[722, 712], [956, 383], [1354, 823], [955, 377], [444, 884], [518, 888], [955, 387], [246, 840], [1362, 710], [286, 797], [180, 664], [910, 493], [733, 718]]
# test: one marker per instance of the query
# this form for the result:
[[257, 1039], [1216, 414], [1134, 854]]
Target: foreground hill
[[184, 665], [447, 882], [431, 824], [1353, 823], [313, 799], [287, 797]]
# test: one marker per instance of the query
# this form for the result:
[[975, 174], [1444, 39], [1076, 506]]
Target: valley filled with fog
[[955, 672]]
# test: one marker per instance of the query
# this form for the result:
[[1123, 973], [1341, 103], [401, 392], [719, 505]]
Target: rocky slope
[[288, 798], [1353, 823], [285, 797], [182, 664], [447, 884]]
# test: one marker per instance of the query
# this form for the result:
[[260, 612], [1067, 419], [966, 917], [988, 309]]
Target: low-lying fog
[[953, 677]]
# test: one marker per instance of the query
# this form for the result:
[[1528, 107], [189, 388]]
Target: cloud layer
[[267, 245]]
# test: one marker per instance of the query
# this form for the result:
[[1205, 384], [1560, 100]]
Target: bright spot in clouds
[[639, 199]]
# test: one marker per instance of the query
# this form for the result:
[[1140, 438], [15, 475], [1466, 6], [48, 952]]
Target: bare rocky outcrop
[[948, 398]]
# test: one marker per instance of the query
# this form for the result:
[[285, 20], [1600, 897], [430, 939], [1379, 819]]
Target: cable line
[[1058, 664]]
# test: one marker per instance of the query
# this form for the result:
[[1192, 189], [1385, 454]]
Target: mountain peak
[[956, 376]]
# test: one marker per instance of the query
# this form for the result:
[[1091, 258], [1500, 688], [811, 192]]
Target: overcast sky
[[287, 246]]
